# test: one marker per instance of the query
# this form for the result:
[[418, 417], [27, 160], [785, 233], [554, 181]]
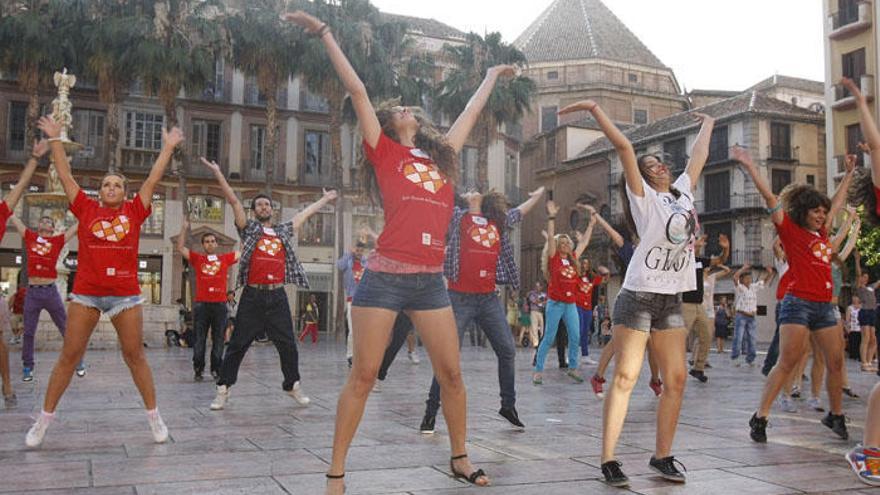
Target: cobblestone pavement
[[264, 443]]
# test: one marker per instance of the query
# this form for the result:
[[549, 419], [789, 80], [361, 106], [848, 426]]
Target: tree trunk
[[112, 135], [168, 96], [483, 136], [33, 111], [336, 103], [271, 135]]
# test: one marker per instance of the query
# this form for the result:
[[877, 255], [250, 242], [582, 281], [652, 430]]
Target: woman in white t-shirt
[[662, 214]]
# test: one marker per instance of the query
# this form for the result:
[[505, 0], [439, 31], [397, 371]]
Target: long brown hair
[[428, 139], [494, 207], [627, 211]]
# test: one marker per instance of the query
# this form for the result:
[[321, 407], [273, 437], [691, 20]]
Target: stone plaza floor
[[263, 443]]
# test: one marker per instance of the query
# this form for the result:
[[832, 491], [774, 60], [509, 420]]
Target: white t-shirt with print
[[663, 262]]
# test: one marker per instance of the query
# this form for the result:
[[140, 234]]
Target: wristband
[[54, 139], [551, 217], [773, 210], [322, 31]]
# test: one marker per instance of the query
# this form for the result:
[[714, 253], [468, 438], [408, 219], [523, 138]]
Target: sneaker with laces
[[221, 398], [27, 374], [665, 467], [596, 382], [34, 437], [787, 405], [427, 426], [815, 404], [837, 423], [298, 395], [759, 428], [81, 369], [414, 357], [656, 386], [510, 414], [865, 463], [157, 426], [614, 475]]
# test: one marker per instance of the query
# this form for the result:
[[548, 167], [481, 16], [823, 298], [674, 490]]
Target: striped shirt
[[747, 297]]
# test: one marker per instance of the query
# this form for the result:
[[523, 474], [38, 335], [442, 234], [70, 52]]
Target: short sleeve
[[786, 228], [137, 209], [683, 184], [81, 204], [639, 205], [195, 259], [229, 258], [383, 148]]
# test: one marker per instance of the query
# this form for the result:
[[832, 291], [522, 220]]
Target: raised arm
[[53, 130], [181, 239], [465, 122], [39, 151], [839, 199], [724, 242], [721, 271], [742, 156], [842, 232], [170, 140], [584, 238], [530, 203], [70, 233], [615, 236], [700, 152], [18, 224], [869, 127], [231, 197], [769, 275], [552, 210], [851, 241], [739, 273], [621, 143], [301, 217], [360, 100]]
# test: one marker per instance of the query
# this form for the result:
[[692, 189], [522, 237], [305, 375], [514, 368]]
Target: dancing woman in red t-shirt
[[106, 279], [413, 166], [802, 216]]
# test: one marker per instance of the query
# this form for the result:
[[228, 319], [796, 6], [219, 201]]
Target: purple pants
[[36, 299]]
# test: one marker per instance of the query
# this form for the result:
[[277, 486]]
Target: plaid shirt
[[506, 272], [251, 234]]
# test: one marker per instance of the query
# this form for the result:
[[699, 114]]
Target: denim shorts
[[867, 317], [811, 314], [401, 291], [109, 305], [647, 311]]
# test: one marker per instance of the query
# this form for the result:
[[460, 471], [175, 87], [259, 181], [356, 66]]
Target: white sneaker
[[81, 369], [787, 404], [157, 426], [377, 387], [222, 396], [814, 404], [35, 435], [414, 357], [298, 395], [588, 360]]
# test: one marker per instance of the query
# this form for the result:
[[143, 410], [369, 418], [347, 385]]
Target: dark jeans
[[773, 350], [209, 315], [262, 311], [402, 327], [486, 311]]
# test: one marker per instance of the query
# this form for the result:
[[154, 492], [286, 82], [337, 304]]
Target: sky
[[709, 44]]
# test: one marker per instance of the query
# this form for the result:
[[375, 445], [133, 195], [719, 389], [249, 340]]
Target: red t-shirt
[[267, 262], [784, 284], [563, 279], [5, 213], [42, 254], [211, 275], [417, 201], [809, 261], [107, 262], [480, 245], [357, 273], [584, 296]]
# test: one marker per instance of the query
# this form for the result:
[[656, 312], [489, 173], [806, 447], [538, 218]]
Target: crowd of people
[[437, 267]]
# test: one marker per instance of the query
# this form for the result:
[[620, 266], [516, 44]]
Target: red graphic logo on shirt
[[358, 275], [42, 248], [211, 268], [568, 272], [114, 231], [586, 285], [269, 246], [425, 176], [822, 251], [484, 236]]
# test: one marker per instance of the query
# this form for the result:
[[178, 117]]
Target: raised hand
[[723, 241], [40, 148], [173, 137], [864, 147], [471, 196], [49, 127], [537, 192], [504, 70], [853, 88], [331, 194], [552, 208], [702, 117], [849, 163], [308, 22], [584, 105], [212, 165], [742, 155]]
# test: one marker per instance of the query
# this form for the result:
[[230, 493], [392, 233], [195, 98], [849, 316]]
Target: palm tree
[[264, 47], [509, 100], [30, 36]]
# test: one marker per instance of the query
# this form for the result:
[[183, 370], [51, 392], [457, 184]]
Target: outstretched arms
[[552, 210], [237, 208], [53, 130], [839, 199], [583, 239], [530, 203], [700, 153], [465, 122], [18, 224], [301, 217], [615, 236], [170, 140], [741, 155], [367, 121], [181, 239], [869, 127], [39, 151]]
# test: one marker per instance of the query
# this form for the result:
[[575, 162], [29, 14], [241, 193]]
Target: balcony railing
[[845, 23], [782, 153], [717, 204], [754, 257], [842, 97], [863, 160]]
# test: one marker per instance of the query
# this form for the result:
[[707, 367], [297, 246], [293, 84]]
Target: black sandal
[[335, 476], [472, 478]]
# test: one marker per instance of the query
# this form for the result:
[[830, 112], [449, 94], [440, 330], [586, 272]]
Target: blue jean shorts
[[401, 291], [109, 305], [811, 314], [647, 311], [867, 317]]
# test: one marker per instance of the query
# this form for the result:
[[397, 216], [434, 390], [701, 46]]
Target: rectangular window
[[88, 130], [549, 118], [258, 150], [718, 145], [633, 78], [468, 172], [640, 117], [848, 10], [204, 208], [853, 65], [811, 180], [779, 178], [252, 93], [17, 126], [780, 141], [510, 177], [675, 155], [853, 138], [717, 191], [553, 75], [206, 139], [317, 169], [318, 230], [143, 131]]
